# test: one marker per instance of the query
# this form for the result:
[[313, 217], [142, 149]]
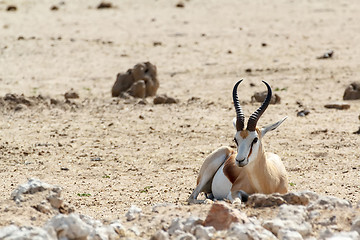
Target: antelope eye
[[255, 140], [236, 141]]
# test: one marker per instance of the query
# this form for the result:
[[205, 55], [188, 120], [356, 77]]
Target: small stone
[[164, 99], [55, 202], [249, 231], [185, 236], [356, 225], [296, 198], [104, 5], [326, 55], [132, 213], [71, 94], [54, 101], [54, 8], [221, 216], [160, 235], [303, 113], [261, 96], [176, 225], [262, 200], [191, 222], [42, 208], [180, 5], [338, 105], [20, 107], [201, 232], [352, 92], [328, 202], [118, 228], [285, 234], [11, 8], [328, 235], [357, 132], [96, 159]]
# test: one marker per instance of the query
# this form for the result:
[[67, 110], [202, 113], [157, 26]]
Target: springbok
[[226, 174]]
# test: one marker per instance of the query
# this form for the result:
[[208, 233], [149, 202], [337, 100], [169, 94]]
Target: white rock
[[249, 231], [135, 230], [356, 225], [328, 202], [133, 212], [31, 187], [68, 227], [13, 232], [118, 228], [328, 235], [185, 236], [8, 231], [175, 225], [204, 233], [275, 225], [285, 234], [291, 218], [296, 213], [160, 235], [90, 221], [190, 223]]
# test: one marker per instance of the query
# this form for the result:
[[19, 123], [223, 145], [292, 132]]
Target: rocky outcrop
[[140, 81], [296, 215]]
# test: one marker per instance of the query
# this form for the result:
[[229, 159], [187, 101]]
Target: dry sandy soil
[[151, 153]]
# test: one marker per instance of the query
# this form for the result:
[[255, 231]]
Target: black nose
[[240, 161]]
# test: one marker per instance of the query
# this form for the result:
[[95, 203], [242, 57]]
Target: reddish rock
[[221, 216]]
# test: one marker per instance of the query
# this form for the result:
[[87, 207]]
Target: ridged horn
[[239, 113], [251, 125]]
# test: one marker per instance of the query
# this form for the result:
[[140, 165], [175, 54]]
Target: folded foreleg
[[207, 171]]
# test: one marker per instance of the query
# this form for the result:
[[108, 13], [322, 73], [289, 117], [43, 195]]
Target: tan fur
[[265, 174], [267, 170], [244, 134]]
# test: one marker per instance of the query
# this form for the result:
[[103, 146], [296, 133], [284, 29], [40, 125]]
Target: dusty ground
[[151, 153]]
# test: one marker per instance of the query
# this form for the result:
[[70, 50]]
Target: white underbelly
[[221, 185]]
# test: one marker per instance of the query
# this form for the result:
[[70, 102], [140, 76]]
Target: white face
[[247, 145]]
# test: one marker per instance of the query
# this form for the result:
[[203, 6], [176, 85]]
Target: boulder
[[140, 81]]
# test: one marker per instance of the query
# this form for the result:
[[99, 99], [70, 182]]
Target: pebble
[[303, 113], [338, 105], [132, 213], [352, 92]]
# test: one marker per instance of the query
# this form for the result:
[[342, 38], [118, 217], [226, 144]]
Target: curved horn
[[239, 113], [251, 126]]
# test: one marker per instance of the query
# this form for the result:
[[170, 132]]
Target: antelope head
[[248, 140]]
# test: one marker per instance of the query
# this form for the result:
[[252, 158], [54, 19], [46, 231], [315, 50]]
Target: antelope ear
[[234, 122], [271, 127]]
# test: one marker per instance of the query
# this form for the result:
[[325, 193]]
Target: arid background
[[110, 153]]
